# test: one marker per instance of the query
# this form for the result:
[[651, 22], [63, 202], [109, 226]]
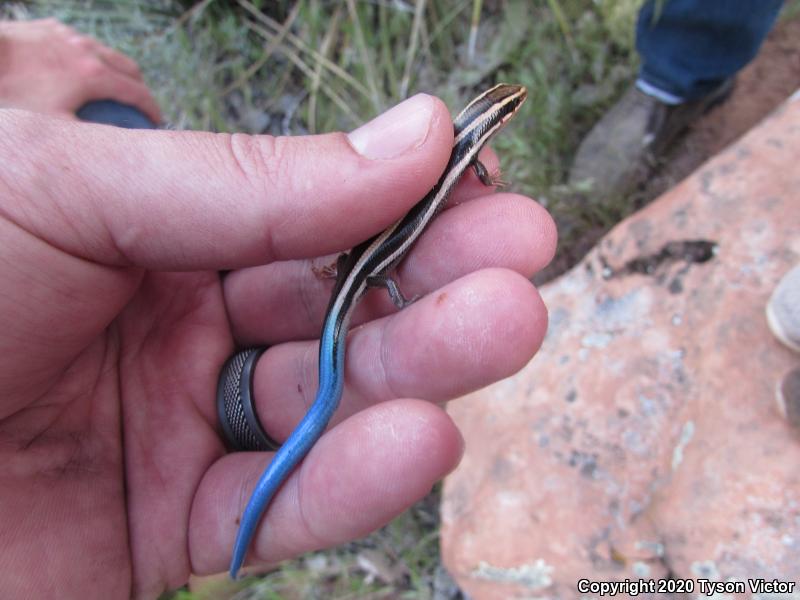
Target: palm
[[168, 374], [123, 438]]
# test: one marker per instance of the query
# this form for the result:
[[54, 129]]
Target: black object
[[111, 112], [236, 406]]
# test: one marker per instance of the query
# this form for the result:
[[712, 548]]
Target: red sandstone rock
[[644, 440]]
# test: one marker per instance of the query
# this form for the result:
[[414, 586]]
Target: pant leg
[[689, 47]]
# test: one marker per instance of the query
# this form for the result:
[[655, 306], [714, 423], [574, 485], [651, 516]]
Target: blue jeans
[[689, 47]]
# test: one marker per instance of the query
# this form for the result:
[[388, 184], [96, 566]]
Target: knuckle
[[267, 165], [80, 41], [61, 28], [134, 67], [91, 67], [265, 161]]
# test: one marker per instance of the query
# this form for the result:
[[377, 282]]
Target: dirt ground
[[760, 87]]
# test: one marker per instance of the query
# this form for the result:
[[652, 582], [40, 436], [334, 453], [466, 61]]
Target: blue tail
[[305, 435]]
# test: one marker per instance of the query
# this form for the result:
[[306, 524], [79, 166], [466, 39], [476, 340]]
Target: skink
[[368, 265]]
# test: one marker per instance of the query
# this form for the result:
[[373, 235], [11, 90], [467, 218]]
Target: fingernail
[[398, 130]]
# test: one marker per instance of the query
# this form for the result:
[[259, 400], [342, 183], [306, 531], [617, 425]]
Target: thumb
[[79, 200], [190, 200]]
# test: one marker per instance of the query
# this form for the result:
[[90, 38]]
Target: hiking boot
[[788, 397], [783, 310], [625, 145]]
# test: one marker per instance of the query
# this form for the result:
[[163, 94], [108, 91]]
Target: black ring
[[235, 403]]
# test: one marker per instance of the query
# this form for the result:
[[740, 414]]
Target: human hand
[[114, 481], [48, 67]]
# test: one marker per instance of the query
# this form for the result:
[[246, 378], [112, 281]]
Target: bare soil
[[760, 87]]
